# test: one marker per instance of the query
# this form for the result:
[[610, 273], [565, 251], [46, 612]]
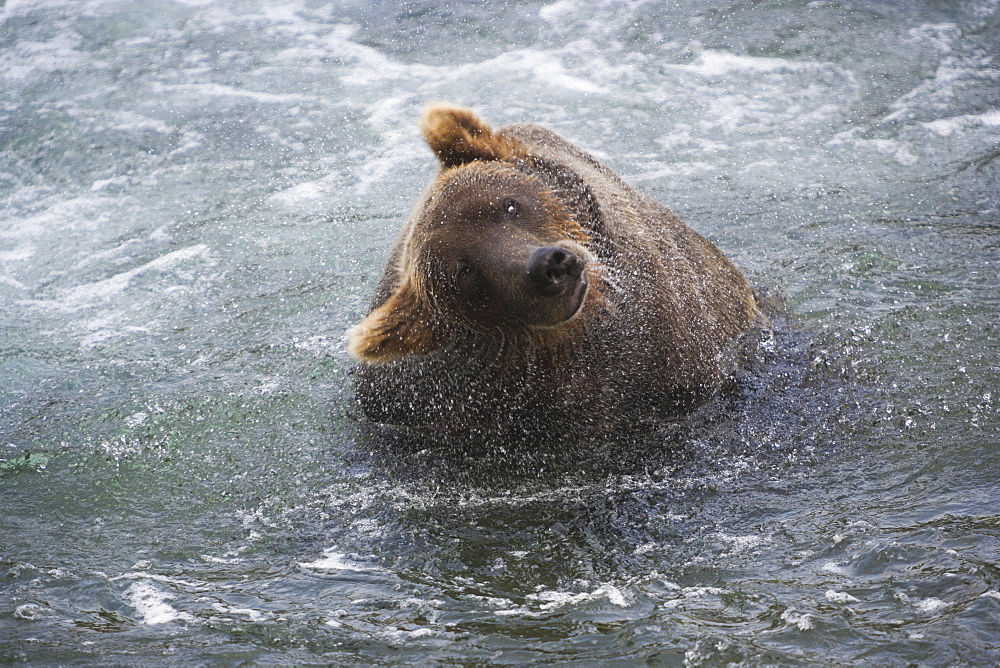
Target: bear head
[[490, 249]]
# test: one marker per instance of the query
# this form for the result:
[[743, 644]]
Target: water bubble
[[29, 612]]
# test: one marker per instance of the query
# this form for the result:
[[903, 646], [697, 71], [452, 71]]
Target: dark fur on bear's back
[[478, 325]]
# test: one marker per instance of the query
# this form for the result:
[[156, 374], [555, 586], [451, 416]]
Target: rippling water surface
[[198, 197]]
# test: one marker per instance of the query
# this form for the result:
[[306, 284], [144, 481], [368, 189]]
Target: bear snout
[[552, 270]]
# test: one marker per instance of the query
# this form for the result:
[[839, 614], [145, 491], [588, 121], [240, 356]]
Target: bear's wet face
[[494, 250], [490, 250]]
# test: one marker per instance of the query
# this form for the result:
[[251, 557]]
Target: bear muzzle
[[552, 269], [557, 272]]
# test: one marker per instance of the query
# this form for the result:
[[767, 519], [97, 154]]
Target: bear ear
[[400, 327], [457, 136]]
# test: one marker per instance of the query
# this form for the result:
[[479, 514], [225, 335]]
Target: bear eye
[[511, 208]]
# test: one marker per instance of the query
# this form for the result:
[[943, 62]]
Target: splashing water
[[199, 196]]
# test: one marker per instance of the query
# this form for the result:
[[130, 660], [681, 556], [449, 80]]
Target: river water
[[198, 198]]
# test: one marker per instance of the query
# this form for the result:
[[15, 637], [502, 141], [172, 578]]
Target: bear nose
[[551, 268]]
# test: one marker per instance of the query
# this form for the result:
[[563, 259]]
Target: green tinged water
[[198, 198]]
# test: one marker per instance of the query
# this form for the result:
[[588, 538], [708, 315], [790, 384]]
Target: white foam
[[546, 69], [136, 419], [115, 255], [673, 171], [767, 166], [166, 579], [83, 296], [698, 592], [281, 13], [687, 593], [13, 282], [221, 560], [550, 599], [900, 151], [151, 604], [939, 93], [254, 615], [129, 121], [711, 62], [101, 184], [309, 192], [378, 169], [948, 126], [930, 605], [742, 543], [370, 67], [840, 597], [222, 90], [680, 137], [338, 561], [804, 622], [838, 568], [940, 35], [18, 254], [15, 7], [28, 59], [29, 612], [403, 635], [494, 601], [84, 213], [517, 611], [107, 329], [557, 11]]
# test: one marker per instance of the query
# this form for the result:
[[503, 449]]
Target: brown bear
[[533, 292]]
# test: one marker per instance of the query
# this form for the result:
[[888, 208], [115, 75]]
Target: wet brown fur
[[661, 313], [458, 137]]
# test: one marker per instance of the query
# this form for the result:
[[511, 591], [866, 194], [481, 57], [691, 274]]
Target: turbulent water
[[197, 200]]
